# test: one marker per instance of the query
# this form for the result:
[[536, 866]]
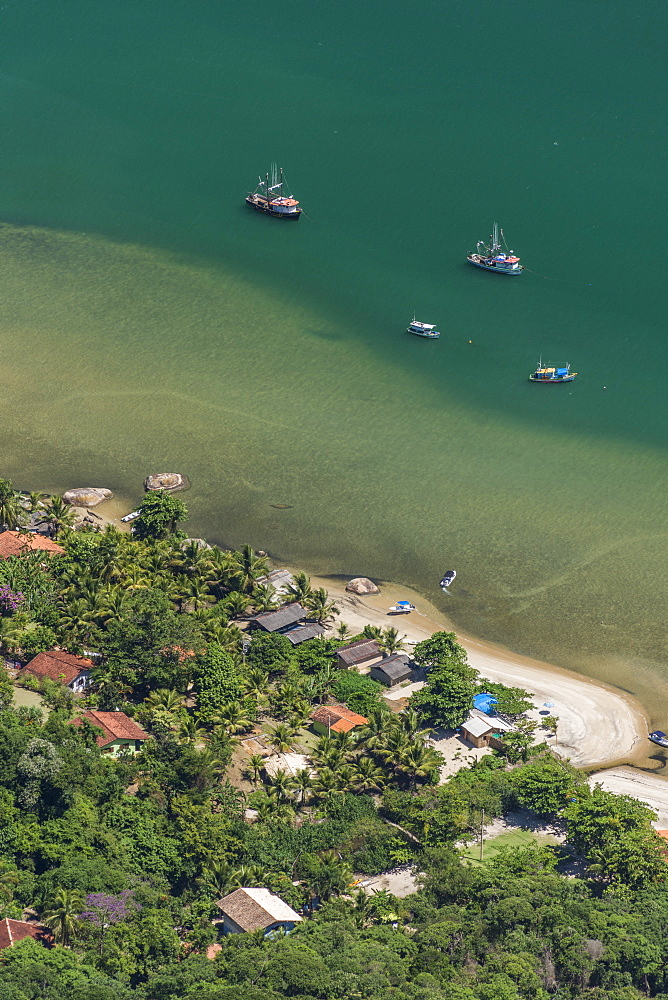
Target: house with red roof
[[57, 665], [13, 931], [336, 719], [17, 543], [117, 731]]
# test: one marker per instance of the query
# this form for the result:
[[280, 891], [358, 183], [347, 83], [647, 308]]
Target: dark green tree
[[217, 682], [160, 514]]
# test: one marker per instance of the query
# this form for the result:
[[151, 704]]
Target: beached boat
[[422, 329], [542, 374], [402, 607], [272, 197], [493, 258], [659, 738], [131, 516]]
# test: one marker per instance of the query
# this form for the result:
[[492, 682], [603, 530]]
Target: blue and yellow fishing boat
[[542, 374]]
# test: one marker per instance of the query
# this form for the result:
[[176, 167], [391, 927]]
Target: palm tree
[[419, 762], [8, 879], [61, 915], [281, 738], [331, 877], [302, 783], [378, 725], [165, 700], [236, 604], [256, 682], [190, 731], [58, 516], [264, 597], [343, 631], [10, 635], [279, 782], [196, 593], [300, 589], [247, 567], [367, 776], [219, 877], [227, 636], [234, 717], [320, 608], [255, 767], [372, 632], [35, 501], [12, 514], [391, 642], [412, 724]]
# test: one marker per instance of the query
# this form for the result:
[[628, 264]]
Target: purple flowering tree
[[9, 601], [104, 910]]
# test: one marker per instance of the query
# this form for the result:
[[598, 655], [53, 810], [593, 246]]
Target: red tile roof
[[58, 665], [14, 544], [12, 931], [338, 718], [114, 726]]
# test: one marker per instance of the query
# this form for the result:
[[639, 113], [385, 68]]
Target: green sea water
[[150, 322]]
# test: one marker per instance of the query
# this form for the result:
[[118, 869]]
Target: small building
[[276, 621], [248, 910], [483, 731], [336, 719], [280, 580], [17, 543], [392, 670], [13, 931], [358, 654], [57, 665], [118, 731]]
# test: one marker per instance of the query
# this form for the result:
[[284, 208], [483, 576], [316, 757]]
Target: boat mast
[[266, 187], [280, 184]]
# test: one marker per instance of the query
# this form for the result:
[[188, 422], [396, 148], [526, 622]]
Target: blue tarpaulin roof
[[484, 702]]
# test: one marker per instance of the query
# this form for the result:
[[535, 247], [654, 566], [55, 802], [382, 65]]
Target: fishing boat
[[552, 374], [422, 329], [493, 258], [273, 197], [131, 516], [659, 738]]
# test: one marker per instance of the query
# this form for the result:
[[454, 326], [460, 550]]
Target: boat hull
[[510, 271], [429, 336], [262, 206], [548, 381]]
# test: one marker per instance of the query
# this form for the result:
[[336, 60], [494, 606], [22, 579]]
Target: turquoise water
[[150, 322]]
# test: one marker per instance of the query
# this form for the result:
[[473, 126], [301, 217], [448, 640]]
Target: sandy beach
[[598, 725]]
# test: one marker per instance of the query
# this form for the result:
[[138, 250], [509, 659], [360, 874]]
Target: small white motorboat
[[402, 607], [447, 579]]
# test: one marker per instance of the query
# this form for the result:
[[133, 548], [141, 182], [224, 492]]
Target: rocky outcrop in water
[[362, 585], [171, 481], [87, 496]]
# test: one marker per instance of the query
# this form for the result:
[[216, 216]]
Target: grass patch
[[513, 838]]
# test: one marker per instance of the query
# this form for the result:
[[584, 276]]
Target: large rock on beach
[[362, 585], [87, 496], [171, 481]]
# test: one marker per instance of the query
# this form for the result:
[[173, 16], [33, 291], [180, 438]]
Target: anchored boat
[[552, 374], [493, 257], [274, 198], [448, 578], [422, 329]]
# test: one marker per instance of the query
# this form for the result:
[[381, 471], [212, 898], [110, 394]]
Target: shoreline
[[600, 727]]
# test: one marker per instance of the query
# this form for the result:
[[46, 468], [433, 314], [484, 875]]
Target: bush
[[358, 692]]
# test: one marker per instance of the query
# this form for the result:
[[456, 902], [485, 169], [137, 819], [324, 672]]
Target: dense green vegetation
[[124, 858]]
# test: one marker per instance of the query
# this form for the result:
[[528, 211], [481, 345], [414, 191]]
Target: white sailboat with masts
[[272, 196]]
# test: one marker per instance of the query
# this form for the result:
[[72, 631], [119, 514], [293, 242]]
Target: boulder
[[171, 481], [362, 585], [87, 496]]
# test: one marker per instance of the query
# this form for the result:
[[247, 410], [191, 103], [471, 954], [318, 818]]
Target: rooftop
[[15, 543], [58, 665], [477, 725], [396, 667], [272, 621], [310, 631], [114, 726], [338, 718], [357, 652], [256, 909], [12, 931]]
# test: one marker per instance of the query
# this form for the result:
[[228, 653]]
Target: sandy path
[[597, 724], [649, 788]]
